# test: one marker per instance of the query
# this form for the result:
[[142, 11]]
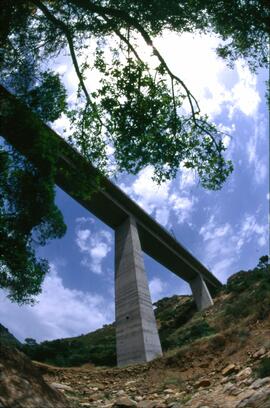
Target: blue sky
[[226, 230]]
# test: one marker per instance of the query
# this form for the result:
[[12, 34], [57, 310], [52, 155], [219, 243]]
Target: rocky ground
[[221, 360], [22, 385], [198, 377]]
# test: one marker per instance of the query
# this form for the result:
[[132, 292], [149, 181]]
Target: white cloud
[[153, 198], [250, 228], [224, 243], [61, 69], [182, 206], [258, 161], [261, 172], [157, 288], [60, 312], [161, 200], [245, 96], [150, 193], [95, 246], [204, 76], [187, 178]]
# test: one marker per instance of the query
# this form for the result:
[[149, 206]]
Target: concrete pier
[[137, 338], [201, 293]]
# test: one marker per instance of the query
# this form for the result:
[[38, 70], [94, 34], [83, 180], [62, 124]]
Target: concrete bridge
[[135, 231]]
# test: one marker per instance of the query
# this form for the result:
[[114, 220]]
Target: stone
[[59, 386], [229, 369], [225, 380], [259, 399], [180, 394], [94, 397], [22, 385], [259, 353], [169, 391], [120, 393], [243, 374], [260, 382], [228, 387], [149, 404], [130, 382], [124, 402], [204, 382]]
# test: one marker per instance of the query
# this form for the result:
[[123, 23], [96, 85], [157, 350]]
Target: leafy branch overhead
[[133, 104], [141, 108]]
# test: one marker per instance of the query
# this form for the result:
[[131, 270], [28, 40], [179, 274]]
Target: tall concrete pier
[[137, 337]]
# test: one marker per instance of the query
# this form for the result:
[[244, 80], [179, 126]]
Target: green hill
[[245, 299], [7, 338]]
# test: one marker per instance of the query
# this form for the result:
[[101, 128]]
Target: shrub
[[217, 342], [263, 369], [197, 330]]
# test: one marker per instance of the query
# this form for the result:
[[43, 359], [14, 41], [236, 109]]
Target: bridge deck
[[20, 127]]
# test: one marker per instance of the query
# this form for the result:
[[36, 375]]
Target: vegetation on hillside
[[7, 338], [245, 298]]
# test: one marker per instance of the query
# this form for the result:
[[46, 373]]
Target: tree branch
[[121, 14], [123, 38], [62, 26]]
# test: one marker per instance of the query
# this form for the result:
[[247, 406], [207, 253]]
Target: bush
[[217, 342], [188, 334], [263, 369]]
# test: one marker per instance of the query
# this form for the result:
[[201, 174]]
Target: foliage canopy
[[137, 106]]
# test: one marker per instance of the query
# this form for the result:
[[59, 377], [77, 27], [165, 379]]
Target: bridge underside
[[20, 127]]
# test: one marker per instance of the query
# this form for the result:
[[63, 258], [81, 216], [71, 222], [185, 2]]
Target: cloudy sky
[[226, 230]]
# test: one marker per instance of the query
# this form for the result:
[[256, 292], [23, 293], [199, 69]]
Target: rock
[[229, 369], [22, 385], [130, 382], [232, 389], [85, 404], [243, 374], [225, 380], [260, 382], [124, 402], [94, 397], [259, 353], [204, 382], [149, 404], [180, 394], [259, 399], [59, 386], [169, 391], [120, 393]]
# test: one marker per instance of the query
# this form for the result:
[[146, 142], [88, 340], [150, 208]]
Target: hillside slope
[[7, 338], [242, 302], [219, 358]]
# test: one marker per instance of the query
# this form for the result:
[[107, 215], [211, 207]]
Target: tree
[[264, 263], [141, 108], [30, 342]]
